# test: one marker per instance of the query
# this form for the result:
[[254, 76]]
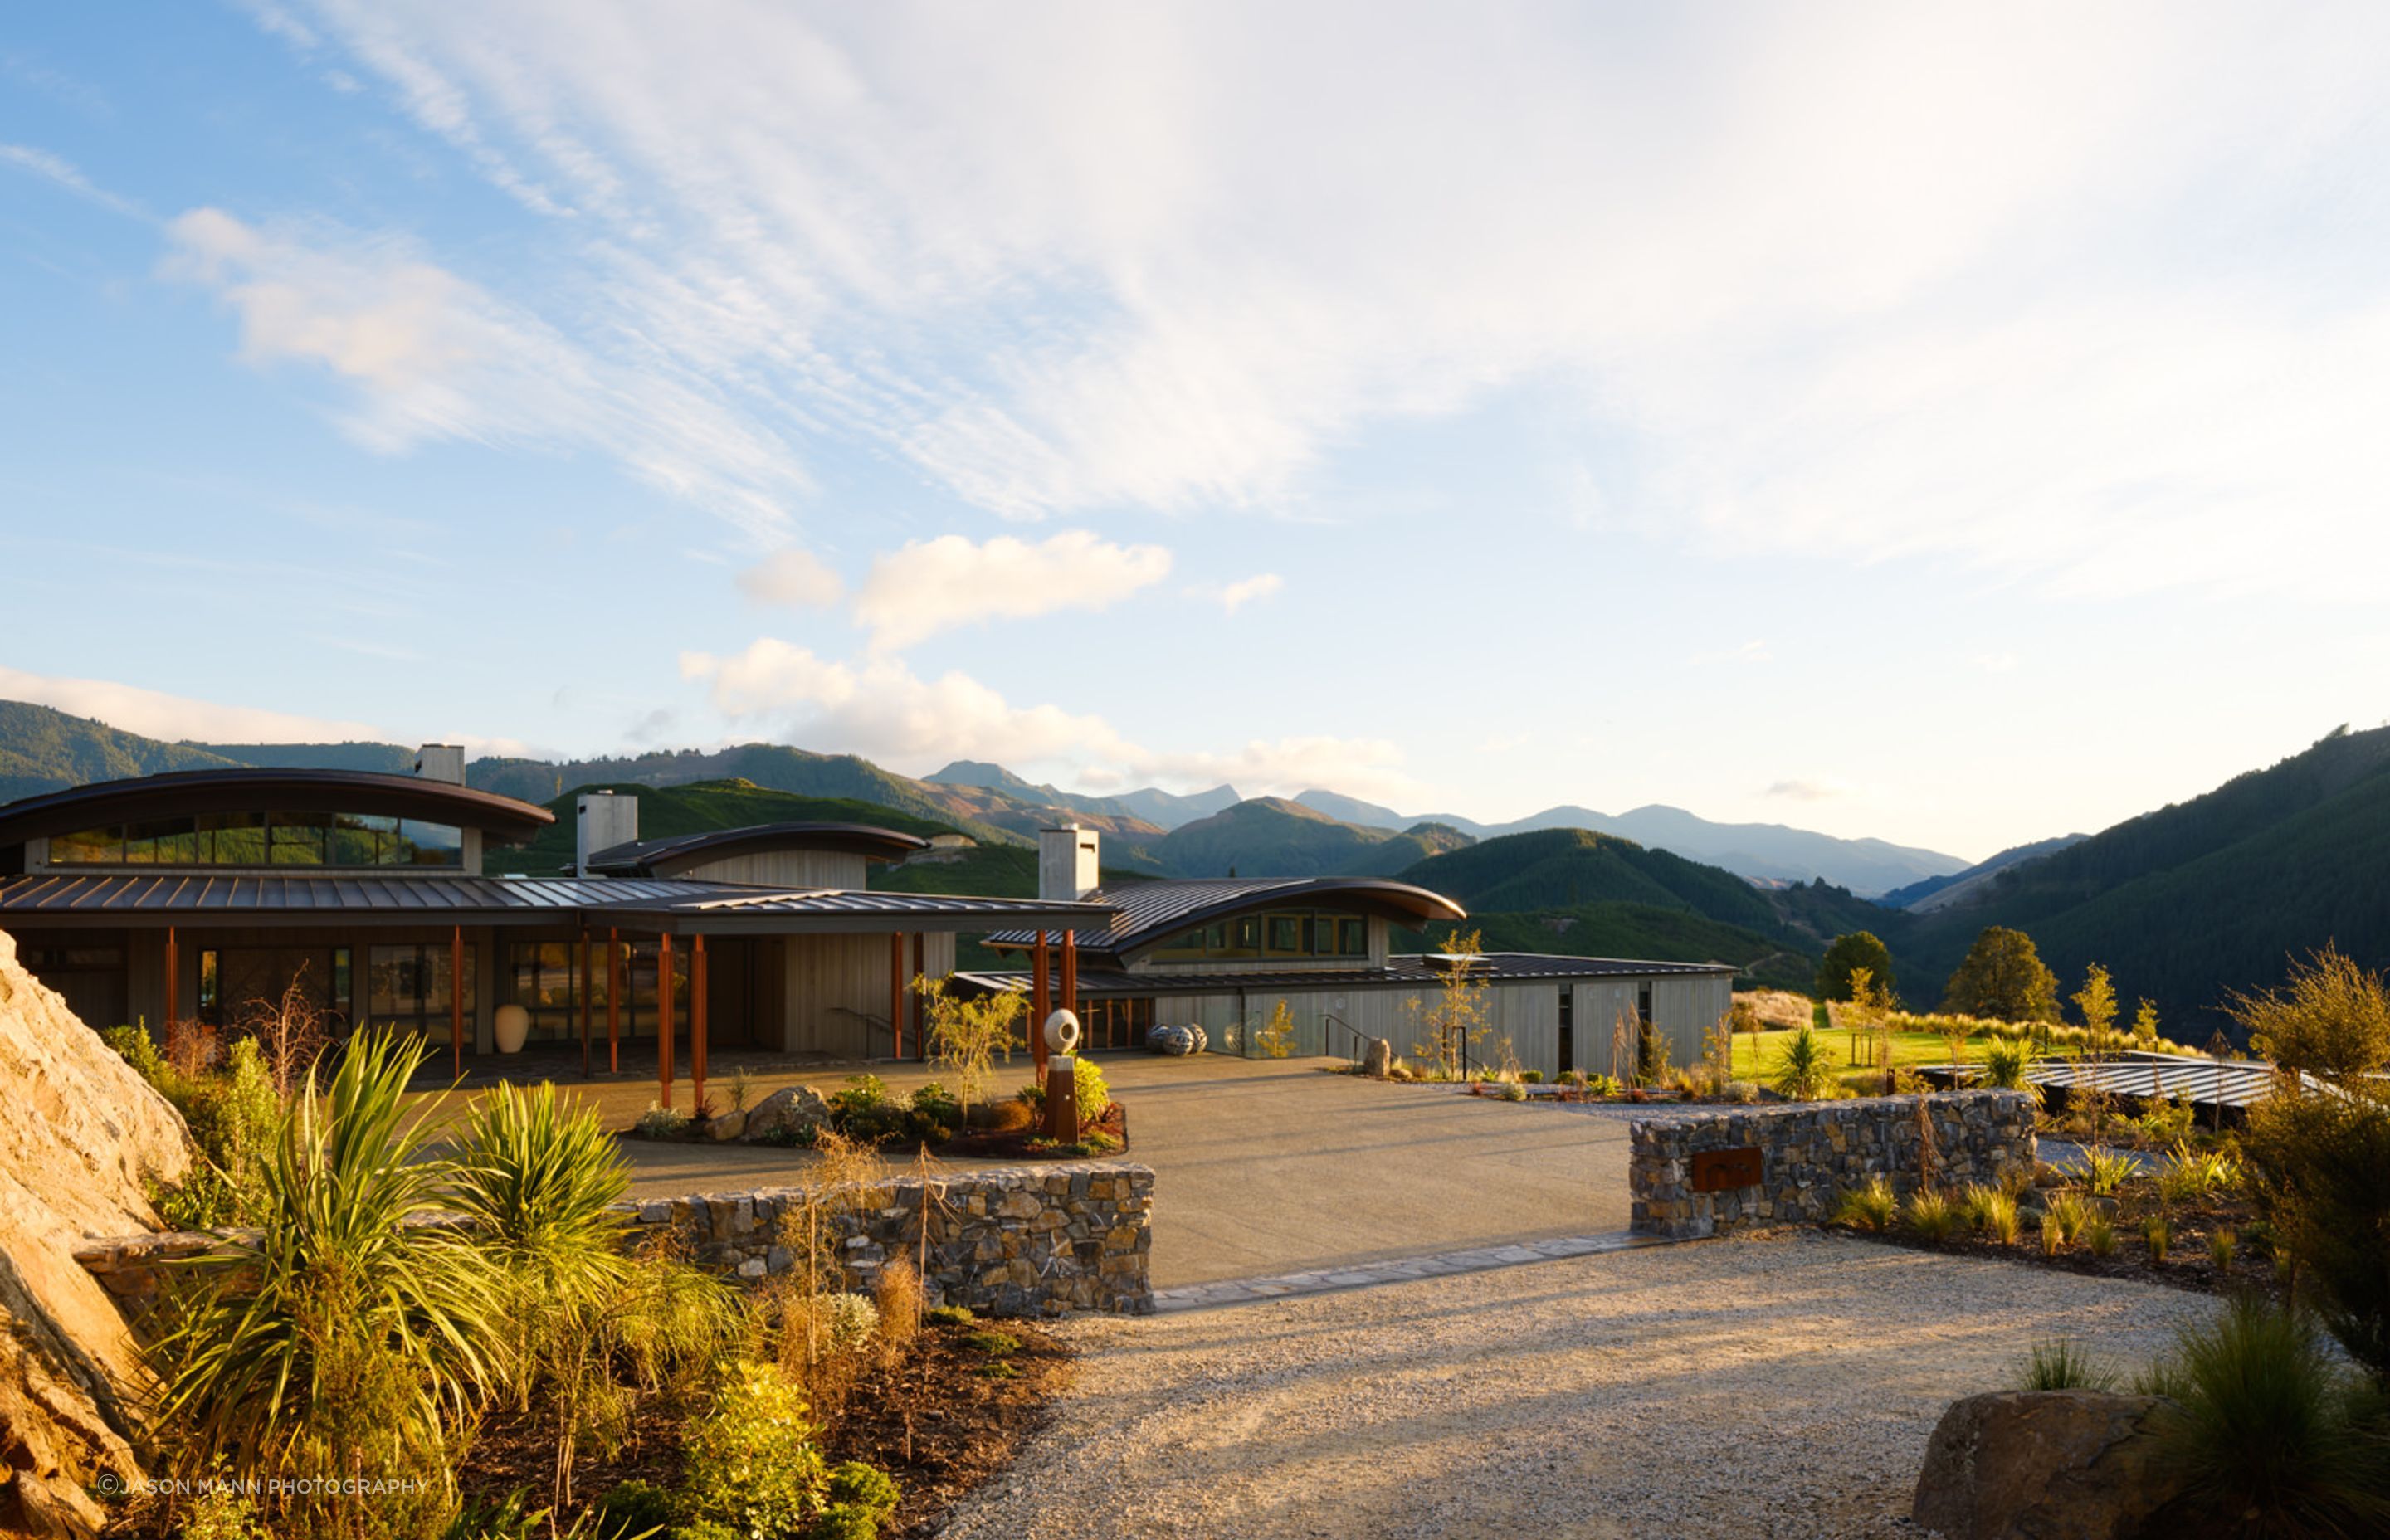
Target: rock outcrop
[[81, 1133], [2043, 1465]]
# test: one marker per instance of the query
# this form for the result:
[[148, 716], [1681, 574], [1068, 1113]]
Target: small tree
[[2145, 1023], [1868, 1013], [2097, 1001], [1860, 949], [967, 1034], [1457, 1016], [2003, 978], [1276, 1039]]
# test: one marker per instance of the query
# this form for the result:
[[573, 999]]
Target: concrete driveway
[[1267, 1167]]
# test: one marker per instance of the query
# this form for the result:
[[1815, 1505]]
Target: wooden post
[[584, 1002], [920, 968], [172, 992], [613, 1002], [663, 1018], [697, 1020], [1070, 973], [1039, 1005], [456, 1001], [896, 993]]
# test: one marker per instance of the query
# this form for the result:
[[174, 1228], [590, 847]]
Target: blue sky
[[1953, 428]]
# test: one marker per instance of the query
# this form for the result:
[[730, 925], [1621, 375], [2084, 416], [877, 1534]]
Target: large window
[[542, 977], [1281, 934], [264, 840], [410, 986]]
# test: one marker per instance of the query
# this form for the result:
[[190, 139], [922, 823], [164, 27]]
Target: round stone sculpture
[[1061, 1032]]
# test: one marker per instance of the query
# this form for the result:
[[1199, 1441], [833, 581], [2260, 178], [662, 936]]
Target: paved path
[[1442, 1264], [1264, 1168]]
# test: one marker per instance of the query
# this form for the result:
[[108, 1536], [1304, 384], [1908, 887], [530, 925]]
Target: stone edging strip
[[1482, 1259]]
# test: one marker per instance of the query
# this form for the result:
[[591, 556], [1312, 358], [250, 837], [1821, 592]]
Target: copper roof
[[673, 853], [1151, 913]]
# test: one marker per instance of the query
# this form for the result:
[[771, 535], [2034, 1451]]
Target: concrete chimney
[[600, 821], [1067, 863], [440, 762]]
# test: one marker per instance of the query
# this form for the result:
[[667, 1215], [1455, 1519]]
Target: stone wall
[[1809, 1152], [1011, 1240]]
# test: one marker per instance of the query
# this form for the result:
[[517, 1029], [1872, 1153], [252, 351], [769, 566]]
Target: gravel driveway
[[1777, 1386]]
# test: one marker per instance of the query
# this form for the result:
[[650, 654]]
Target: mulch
[[941, 1419], [1014, 1144]]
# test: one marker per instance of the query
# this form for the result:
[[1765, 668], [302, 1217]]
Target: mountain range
[[2186, 905]]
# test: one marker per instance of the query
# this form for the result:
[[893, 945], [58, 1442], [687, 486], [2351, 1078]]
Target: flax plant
[[342, 1339]]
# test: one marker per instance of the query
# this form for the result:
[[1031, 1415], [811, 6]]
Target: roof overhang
[[189, 793], [1152, 913], [677, 853]]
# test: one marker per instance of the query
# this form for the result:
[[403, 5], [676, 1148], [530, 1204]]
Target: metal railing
[[1361, 1040], [873, 1027]]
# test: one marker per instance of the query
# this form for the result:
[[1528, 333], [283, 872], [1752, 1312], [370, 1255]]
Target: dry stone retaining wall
[[1811, 1151], [1005, 1240]]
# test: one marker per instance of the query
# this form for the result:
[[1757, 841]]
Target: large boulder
[[2043, 1465], [81, 1133], [1378, 1059], [785, 1112]]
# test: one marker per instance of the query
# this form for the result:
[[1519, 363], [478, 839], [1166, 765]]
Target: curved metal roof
[[190, 792], [674, 853], [1148, 914]]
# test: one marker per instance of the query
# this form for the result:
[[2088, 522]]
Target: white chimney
[[1067, 863], [600, 821], [440, 762]]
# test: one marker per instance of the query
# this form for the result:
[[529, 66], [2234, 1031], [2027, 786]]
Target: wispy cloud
[[154, 713], [427, 355], [1808, 790], [1876, 311], [60, 172], [1749, 652], [793, 577], [1233, 597]]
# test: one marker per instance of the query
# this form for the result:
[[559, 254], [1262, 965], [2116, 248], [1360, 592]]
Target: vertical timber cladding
[[831, 984]]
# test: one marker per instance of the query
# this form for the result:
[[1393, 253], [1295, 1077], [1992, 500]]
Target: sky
[[1952, 425]]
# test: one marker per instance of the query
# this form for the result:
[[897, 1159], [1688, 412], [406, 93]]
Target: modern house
[[202, 897], [1222, 954], [193, 897]]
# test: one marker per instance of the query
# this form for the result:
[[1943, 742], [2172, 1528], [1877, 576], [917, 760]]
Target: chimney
[[600, 821], [1066, 862], [440, 762]]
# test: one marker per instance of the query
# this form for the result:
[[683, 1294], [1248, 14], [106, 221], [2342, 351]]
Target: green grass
[[1756, 1053]]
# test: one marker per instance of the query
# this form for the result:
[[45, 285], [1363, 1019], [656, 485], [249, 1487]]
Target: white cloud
[[2090, 300], [933, 586], [1234, 597], [1753, 651], [793, 577], [1808, 790], [430, 356], [881, 709], [153, 713], [64, 173]]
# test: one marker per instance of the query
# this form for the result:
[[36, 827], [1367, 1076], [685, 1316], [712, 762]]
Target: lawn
[[1757, 1055]]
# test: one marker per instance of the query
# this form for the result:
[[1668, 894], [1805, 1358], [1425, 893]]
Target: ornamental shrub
[[750, 1462]]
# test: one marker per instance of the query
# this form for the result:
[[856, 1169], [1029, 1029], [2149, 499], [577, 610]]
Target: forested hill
[[2196, 900], [43, 749]]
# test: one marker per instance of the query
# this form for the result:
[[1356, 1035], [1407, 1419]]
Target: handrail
[[870, 1024], [1361, 1040]]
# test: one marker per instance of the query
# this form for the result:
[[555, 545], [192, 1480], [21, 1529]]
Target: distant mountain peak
[[981, 773]]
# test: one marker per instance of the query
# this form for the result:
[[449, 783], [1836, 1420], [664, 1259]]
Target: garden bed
[[945, 1416], [2192, 1223]]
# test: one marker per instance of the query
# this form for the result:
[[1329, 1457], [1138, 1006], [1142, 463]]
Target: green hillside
[[43, 749], [669, 810], [389, 758], [1270, 837], [1566, 868], [1656, 932], [2197, 900]]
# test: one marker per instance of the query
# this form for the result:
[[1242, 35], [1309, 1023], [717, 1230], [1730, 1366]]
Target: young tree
[[1859, 949], [1457, 1016], [1276, 1039], [2145, 1024], [2097, 1001], [967, 1034], [2003, 978]]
